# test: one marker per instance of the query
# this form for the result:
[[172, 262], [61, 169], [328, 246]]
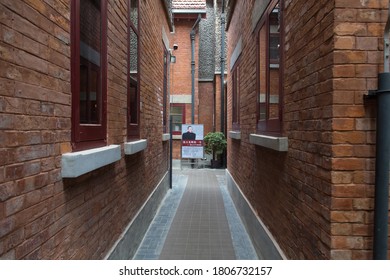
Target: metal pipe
[[386, 48], [382, 167], [192, 36], [223, 21], [170, 152], [382, 163]]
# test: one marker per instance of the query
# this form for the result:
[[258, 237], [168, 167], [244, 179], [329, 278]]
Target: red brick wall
[[307, 123], [205, 109], [152, 74], [358, 58], [241, 154], [317, 198], [181, 70], [206, 105], [43, 216]]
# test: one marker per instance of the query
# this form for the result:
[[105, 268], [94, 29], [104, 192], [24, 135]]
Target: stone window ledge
[[176, 137], [235, 135], [135, 146], [76, 164], [166, 136], [275, 143]]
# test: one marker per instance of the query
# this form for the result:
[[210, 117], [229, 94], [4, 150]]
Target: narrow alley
[[287, 102], [197, 221]]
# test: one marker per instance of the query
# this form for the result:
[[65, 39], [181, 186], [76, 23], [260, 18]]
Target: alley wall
[[45, 216], [317, 197]]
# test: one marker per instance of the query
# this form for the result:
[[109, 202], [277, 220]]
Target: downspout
[[170, 120], [382, 164], [192, 35], [223, 21]]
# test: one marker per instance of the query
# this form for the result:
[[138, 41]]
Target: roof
[[189, 4]]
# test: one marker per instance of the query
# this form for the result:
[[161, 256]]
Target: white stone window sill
[[275, 143], [135, 146], [78, 163], [235, 135], [176, 137], [166, 137]]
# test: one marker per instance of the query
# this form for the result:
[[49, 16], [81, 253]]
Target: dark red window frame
[[235, 74], [88, 135], [268, 125], [183, 119], [133, 127]]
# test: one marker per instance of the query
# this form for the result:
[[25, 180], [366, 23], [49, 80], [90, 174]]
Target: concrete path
[[197, 220]]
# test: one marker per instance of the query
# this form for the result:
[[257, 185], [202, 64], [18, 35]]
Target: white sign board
[[192, 141]]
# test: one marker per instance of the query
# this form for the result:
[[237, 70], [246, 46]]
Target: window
[[236, 96], [165, 90], [269, 70], [178, 117], [88, 73], [133, 95]]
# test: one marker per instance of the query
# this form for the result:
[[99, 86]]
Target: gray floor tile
[[197, 220], [154, 239], [202, 209]]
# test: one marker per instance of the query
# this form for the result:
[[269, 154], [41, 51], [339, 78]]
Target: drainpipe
[[192, 35], [382, 164], [223, 21], [382, 167]]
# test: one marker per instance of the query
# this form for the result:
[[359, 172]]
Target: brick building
[[301, 148], [206, 66], [86, 88], [84, 106]]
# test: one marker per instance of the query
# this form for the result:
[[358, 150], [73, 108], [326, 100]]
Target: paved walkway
[[197, 220]]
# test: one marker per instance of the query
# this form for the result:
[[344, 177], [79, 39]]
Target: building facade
[[86, 91], [206, 66], [84, 106], [301, 148]]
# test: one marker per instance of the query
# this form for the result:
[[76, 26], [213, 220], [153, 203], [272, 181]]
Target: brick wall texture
[[43, 216], [207, 82], [181, 71], [206, 106], [316, 199]]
